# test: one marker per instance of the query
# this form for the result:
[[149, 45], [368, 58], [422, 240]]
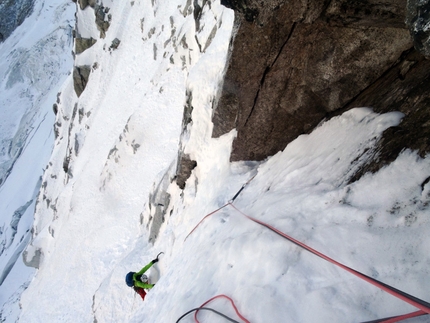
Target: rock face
[[103, 19], [12, 14], [184, 169], [85, 3], [417, 19], [80, 78], [294, 63], [82, 44], [115, 44], [404, 88]]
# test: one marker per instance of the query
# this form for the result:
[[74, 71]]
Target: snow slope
[[120, 139], [34, 62], [375, 225]]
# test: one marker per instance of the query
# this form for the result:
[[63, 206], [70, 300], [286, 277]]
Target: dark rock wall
[[404, 88], [417, 19], [82, 44], [81, 75], [294, 63], [85, 3]]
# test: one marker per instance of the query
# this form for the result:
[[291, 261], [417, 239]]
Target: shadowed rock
[[184, 169], [80, 78], [82, 44], [85, 3], [418, 20], [296, 63], [402, 88], [103, 25]]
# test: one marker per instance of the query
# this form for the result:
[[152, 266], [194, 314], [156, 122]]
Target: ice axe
[[159, 255], [156, 259]]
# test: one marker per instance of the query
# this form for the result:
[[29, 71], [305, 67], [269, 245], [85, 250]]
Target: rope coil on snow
[[232, 303], [202, 307], [418, 303], [207, 309], [412, 300]]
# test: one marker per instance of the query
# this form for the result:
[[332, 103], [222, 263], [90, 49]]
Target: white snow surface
[[34, 61], [120, 139]]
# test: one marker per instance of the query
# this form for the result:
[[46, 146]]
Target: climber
[[139, 281]]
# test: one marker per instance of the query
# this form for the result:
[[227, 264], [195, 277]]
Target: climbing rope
[[207, 309], [418, 303], [410, 299], [208, 215], [230, 300], [398, 318], [219, 209], [202, 307]]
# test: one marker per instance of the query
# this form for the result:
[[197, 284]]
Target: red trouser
[[140, 291]]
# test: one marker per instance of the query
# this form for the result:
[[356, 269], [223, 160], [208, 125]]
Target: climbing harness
[[423, 306]]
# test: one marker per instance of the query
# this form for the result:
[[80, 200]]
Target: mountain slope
[[34, 62], [110, 202]]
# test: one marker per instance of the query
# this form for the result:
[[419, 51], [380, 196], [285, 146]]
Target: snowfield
[[34, 61], [113, 164]]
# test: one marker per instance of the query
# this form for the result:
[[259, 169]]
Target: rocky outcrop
[[103, 19], [85, 3], [295, 63], [13, 14], [82, 44], [115, 44], [418, 21], [184, 169], [32, 260], [403, 88], [80, 78]]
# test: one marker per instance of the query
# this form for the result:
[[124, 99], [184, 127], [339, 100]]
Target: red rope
[[232, 303], [401, 295], [423, 306], [404, 317], [204, 219]]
